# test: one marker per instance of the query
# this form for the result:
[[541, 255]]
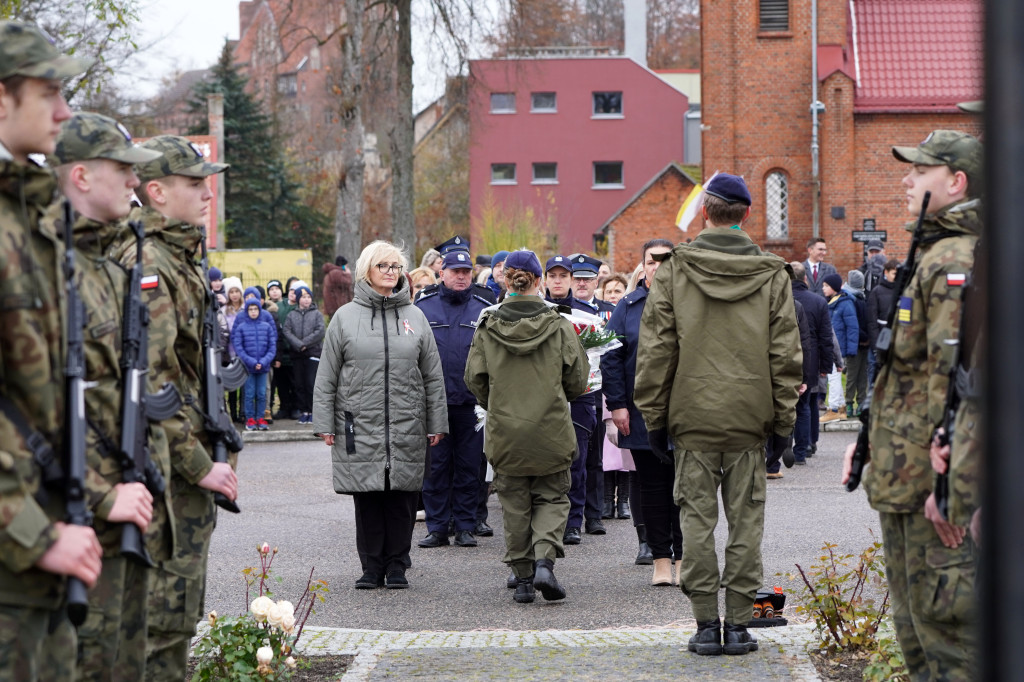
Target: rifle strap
[[107, 446], [42, 451], [209, 423]]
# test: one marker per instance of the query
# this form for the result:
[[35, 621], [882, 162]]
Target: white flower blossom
[[264, 655], [287, 622], [265, 548], [260, 607], [286, 606], [290, 662], [274, 615]]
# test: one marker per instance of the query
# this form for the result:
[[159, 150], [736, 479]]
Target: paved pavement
[[458, 620]]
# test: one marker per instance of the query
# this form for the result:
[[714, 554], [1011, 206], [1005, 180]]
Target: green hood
[[521, 324], [725, 264]]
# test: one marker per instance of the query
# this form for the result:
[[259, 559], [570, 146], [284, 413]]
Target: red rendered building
[[572, 137]]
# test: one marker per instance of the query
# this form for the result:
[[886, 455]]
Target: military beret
[[25, 50], [87, 136], [180, 157], [959, 151], [457, 259], [729, 188], [524, 260]]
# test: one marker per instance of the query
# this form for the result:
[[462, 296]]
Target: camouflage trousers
[[534, 509], [931, 589], [112, 640], [742, 478], [36, 645], [175, 606]]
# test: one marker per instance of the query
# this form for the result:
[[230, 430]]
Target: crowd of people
[[712, 358]]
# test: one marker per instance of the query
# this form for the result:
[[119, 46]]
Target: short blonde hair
[[378, 252], [422, 272]]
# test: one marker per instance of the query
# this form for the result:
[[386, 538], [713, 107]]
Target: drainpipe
[[815, 105]]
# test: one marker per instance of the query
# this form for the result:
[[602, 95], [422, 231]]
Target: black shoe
[[738, 641], [397, 580], [464, 538], [295, 414], [280, 415], [811, 450], [545, 581], [800, 461], [482, 530], [609, 510], [369, 581], [788, 458], [595, 527], [644, 557], [525, 591], [708, 640], [572, 536], [433, 540], [622, 510], [511, 581]]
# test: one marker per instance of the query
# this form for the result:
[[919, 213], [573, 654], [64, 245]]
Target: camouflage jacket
[[174, 290], [31, 378], [910, 390]]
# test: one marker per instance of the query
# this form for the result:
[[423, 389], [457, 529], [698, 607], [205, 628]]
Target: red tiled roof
[[917, 55]]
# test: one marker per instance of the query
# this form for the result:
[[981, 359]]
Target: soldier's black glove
[[783, 445], [658, 440]]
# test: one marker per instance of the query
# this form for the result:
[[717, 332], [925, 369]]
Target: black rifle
[[136, 406], [74, 420], [218, 426], [861, 453]]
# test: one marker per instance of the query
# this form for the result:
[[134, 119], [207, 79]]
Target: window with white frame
[[503, 174], [543, 102], [776, 210], [608, 174], [608, 104], [503, 102], [545, 173]]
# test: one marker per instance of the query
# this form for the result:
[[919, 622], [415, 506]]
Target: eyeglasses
[[384, 268]]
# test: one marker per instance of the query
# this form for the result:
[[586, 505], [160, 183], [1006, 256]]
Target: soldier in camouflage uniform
[[94, 160], [930, 564], [37, 550], [176, 200]]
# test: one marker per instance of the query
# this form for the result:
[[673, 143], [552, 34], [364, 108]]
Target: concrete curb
[[849, 424]]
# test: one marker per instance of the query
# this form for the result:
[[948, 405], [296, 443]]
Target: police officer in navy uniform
[[458, 243], [558, 282], [585, 270], [451, 486]]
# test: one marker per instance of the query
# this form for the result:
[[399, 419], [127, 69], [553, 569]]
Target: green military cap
[[25, 50], [959, 151], [179, 156], [976, 106], [94, 136]]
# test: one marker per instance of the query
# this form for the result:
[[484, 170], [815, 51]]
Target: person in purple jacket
[[255, 339]]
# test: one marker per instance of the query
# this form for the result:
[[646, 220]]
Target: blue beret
[[523, 260], [729, 188]]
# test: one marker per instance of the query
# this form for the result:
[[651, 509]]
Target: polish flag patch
[[954, 279], [150, 282]]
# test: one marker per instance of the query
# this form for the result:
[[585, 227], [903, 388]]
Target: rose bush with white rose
[[258, 644]]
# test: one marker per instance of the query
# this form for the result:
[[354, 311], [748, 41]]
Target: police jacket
[[453, 317], [819, 323], [618, 367]]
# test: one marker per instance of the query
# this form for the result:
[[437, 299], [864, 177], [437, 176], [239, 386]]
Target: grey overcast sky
[[189, 34]]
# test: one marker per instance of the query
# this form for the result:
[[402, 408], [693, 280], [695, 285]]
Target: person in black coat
[[880, 302], [819, 355], [810, 376]]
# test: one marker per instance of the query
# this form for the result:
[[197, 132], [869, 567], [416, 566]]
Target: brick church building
[[888, 72]]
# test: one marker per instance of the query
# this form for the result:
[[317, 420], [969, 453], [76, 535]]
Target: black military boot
[[737, 640], [708, 640], [609, 495], [544, 580], [525, 592]]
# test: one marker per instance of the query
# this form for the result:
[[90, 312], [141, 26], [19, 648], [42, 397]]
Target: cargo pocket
[[350, 434], [565, 481], [950, 580], [759, 484]]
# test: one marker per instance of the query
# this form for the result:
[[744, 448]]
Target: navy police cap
[[557, 262], [729, 188], [456, 258], [454, 244], [584, 266]]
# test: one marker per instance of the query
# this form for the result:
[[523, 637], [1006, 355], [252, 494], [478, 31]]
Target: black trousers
[[304, 376], [384, 521], [660, 513], [282, 384], [594, 505]]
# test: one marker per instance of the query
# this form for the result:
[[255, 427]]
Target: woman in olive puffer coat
[[378, 401]]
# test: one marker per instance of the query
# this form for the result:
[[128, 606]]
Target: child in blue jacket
[[255, 339]]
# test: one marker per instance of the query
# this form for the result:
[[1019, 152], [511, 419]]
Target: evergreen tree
[[263, 207]]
